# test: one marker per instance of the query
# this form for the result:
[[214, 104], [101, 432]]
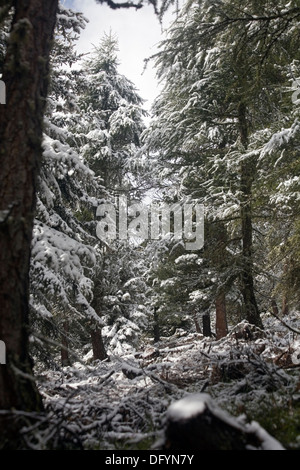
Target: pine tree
[[21, 137], [113, 118], [280, 193], [108, 136], [21, 127], [63, 255], [221, 90]]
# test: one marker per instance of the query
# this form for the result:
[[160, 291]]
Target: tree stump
[[195, 423]]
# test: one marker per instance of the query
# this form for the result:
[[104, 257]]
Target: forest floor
[[122, 403]]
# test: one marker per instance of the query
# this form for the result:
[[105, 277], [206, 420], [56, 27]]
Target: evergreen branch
[[285, 324], [277, 16], [215, 28], [115, 6]]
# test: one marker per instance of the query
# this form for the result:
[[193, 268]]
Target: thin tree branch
[[285, 324], [115, 6]]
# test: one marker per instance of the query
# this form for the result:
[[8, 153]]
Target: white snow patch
[[267, 442], [188, 407]]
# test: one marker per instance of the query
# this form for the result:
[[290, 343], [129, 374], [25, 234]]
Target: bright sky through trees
[[138, 33]]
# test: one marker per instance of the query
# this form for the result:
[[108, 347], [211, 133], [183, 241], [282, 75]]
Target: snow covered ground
[[123, 403]]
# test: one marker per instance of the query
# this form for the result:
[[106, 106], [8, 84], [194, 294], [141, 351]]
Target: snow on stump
[[195, 423]]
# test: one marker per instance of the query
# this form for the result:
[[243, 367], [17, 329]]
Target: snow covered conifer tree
[[221, 91], [63, 249], [108, 137], [113, 118]]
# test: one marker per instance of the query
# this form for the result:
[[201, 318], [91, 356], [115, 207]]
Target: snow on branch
[[115, 5]]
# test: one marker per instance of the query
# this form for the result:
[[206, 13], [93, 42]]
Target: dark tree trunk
[[99, 352], [248, 169], [285, 306], [274, 307], [65, 357], [206, 325], [196, 321], [156, 329], [25, 74], [222, 263], [221, 316]]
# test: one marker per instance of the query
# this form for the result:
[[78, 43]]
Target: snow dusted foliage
[[123, 404], [5, 21], [183, 288], [211, 75], [109, 133], [119, 297], [195, 127], [173, 278], [281, 152], [63, 248]]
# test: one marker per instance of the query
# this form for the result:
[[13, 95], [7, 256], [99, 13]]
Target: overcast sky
[[138, 32]]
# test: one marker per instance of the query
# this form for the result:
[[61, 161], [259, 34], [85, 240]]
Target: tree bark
[[222, 263], [65, 357], [285, 306], [196, 321], [274, 307], [206, 325], [221, 316], [99, 352], [248, 169], [25, 74], [156, 329]]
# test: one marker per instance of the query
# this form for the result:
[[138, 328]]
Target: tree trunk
[[222, 263], [196, 321], [25, 74], [274, 307], [65, 358], [156, 329], [99, 352], [285, 306], [248, 169], [221, 317], [206, 325]]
